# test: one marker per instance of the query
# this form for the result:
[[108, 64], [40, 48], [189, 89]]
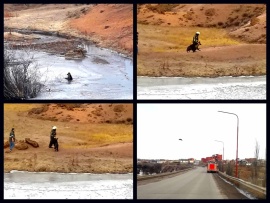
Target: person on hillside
[[69, 78], [11, 139], [52, 136], [195, 40]]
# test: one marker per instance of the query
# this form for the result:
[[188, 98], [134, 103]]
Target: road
[[202, 88], [194, 184]]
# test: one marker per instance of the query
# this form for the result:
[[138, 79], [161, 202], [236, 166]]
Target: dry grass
[[84, 147], [169, 39], [70, 133], [20, 108]]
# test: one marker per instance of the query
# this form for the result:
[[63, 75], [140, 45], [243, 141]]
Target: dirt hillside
[[233, 38], [108, 25], [96, 138]]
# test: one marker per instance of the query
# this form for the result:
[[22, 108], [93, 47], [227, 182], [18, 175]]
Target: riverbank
[[112, 27], [93, 138]]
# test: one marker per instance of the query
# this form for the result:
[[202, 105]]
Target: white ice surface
[[45, 187], [202, 88], [91, 80]]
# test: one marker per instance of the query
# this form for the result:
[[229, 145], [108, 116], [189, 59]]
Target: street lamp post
[[223, 148], [236, 161]]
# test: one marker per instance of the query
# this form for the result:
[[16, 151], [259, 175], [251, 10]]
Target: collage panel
[[68, 151], [201, 151], [201, 51], [68, 51]]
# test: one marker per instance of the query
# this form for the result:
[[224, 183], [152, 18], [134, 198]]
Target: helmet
[[197, 33], [54, 127]]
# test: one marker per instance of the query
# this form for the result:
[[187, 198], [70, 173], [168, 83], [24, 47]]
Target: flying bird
[[181, 139]]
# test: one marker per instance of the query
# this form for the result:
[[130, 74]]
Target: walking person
[[12, 139], [195, 40], [52, 136]]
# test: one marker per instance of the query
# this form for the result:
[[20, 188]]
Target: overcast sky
[[160, 126]]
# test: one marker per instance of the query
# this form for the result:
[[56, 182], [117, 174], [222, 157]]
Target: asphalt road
[[194, 184]]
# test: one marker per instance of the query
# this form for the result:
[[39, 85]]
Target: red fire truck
[[212, 166]]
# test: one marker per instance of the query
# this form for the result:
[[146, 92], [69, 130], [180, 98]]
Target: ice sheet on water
[[103, 189], [202, 88], [24, 185], [90, 80]]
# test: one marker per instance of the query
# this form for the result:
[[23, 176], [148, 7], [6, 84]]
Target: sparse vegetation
[[254, 21], [118, 108], [161, 8], [90, 141], [70, 106], [39, 110], [210, 12], [22, 79], [180, 37]]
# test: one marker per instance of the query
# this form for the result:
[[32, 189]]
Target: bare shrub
[[188, 15], [210, 12], [161, 8], [22, 79], [69, 107], [255, 168], [229, 169], [220, 23], [39, 110], [245, 15], [118, 108], [254, 21]]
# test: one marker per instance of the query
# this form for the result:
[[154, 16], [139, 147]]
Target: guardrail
[[145, 177], [254, 190]]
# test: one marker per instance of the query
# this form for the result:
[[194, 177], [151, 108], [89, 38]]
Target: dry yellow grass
[[170, 39], [84, 147], [80, 134]]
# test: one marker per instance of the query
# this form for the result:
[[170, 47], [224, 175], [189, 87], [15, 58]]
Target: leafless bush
[[210, 12], [229, 169], [118, 108], [22, 79], [254, 174]]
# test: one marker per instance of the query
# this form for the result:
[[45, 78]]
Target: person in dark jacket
[[69, 78], [52, 136], [11, 139]]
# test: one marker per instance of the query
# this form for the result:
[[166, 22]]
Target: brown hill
[[84, 113], [244, 21]]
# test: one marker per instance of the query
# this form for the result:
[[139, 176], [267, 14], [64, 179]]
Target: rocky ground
[[93, 138]]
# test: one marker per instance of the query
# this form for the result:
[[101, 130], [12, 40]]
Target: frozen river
[[32, 185], [102, 74], [202, 88]]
